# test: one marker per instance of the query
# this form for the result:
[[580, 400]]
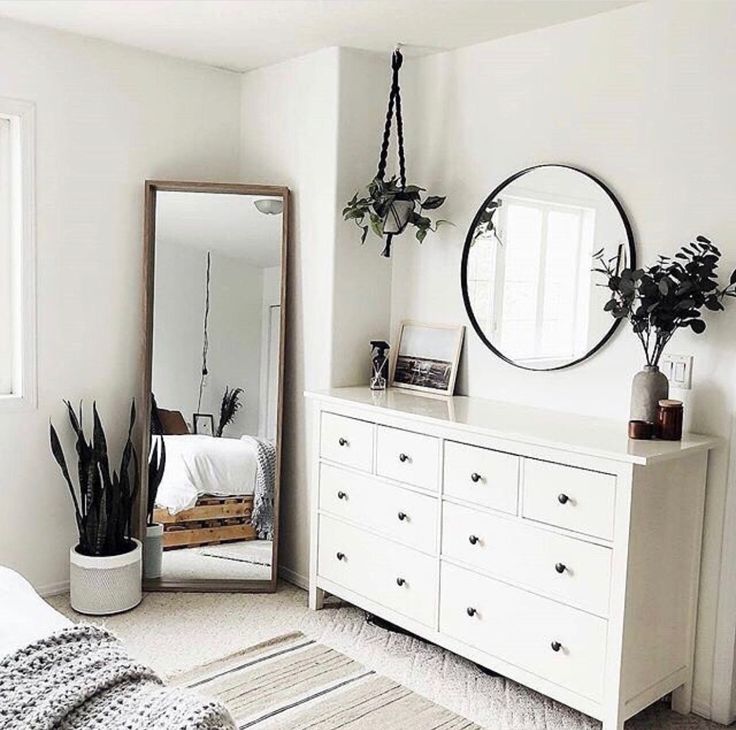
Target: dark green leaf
[[433, 201], [697, 326]]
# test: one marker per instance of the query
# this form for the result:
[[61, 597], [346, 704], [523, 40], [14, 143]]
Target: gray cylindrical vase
[[153, 551], [648, 387]]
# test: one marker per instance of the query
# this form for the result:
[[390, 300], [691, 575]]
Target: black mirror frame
[[631, 262]]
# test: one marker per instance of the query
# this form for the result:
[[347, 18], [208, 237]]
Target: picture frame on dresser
[[426, 357]]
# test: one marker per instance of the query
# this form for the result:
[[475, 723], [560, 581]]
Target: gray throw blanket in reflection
[[82, 677], [262, 517]]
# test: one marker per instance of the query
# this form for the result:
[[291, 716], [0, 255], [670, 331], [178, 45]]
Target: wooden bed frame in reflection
[[213, 520]]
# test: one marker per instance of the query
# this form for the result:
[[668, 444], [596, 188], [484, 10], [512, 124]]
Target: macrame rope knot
[[394, 105]]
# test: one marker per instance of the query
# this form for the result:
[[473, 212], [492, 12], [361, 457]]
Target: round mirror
[[527, 268]]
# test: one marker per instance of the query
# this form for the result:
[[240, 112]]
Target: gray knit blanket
[[262, 516], [81, 678]]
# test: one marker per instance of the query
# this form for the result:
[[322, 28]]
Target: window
[[530, 286], [17, 255]]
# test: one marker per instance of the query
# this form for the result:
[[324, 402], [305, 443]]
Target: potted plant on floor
[[658, 300], [153, 549], [105, 566]]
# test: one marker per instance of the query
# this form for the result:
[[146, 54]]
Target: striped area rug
[[292, 682]]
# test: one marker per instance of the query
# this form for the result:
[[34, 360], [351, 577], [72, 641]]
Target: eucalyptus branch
[[666, 296]]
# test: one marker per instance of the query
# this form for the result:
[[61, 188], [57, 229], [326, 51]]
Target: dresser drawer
[[564, 568], [408, 457], [347, 441], [525, 629], [397, 577], [485, 477], [401, 514], [576, 499]]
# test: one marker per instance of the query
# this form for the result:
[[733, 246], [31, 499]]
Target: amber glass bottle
[[669, 420]]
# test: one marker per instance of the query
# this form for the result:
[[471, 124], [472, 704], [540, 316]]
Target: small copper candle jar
[[669, 420], [640, 430]]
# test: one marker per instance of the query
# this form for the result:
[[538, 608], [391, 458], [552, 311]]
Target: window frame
[[537, 201], [24, 393]]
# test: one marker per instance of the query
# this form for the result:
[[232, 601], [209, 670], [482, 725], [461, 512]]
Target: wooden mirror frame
[[152, 188]]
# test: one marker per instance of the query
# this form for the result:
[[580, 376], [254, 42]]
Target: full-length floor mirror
[[215, 324]]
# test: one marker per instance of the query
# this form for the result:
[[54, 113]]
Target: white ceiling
[[228, 224], [245, 34]]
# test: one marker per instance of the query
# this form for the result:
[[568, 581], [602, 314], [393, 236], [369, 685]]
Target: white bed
[[24, 616], [197, 465]]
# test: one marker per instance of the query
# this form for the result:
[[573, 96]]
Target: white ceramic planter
[[105, 585], [153, 551]]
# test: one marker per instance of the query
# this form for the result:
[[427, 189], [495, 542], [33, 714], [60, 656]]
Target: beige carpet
[[175, 632], [246, 560], [295, 682]]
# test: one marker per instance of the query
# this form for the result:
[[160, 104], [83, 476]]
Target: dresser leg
[[316, 598], [682, 699]]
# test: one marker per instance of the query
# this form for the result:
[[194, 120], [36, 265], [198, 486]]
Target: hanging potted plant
[[390, 206], [153, 549], [659, 300], [105, 565]]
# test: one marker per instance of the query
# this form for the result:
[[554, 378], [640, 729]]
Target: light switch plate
[[679, 370]]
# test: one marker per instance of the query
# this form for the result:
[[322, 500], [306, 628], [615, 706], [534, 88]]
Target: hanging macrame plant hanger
[[391, 205], [398, 213]]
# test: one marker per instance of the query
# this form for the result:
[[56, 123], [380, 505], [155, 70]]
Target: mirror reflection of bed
[[215, 382]]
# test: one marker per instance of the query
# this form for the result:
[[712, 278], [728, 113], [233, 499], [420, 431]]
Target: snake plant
[[156, 459], [103, 501]]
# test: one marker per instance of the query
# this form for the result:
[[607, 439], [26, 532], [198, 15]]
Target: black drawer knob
[[470, 611], [342, 495], [403, 458], [340, 556], [342, 441], [556, 646], [563, 498], [400, 582], [475, 477], [402, 516], [473, 539], [560, 567]]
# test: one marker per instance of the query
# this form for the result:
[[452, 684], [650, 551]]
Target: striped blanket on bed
[[263, 495]]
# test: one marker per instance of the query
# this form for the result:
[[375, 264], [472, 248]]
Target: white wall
[[177, 326], [362, 278], [643, 97], [235, 341], [288, 133], [107, 119], [271, 284], [234, 328], [313, 124]]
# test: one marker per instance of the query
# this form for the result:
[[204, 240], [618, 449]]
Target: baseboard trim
[[53, 589], [291, 576]]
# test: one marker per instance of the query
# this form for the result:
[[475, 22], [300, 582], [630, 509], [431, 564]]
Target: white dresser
[[544, 546]]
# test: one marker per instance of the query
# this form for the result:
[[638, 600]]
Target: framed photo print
[[427, 357], [204, 424]]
